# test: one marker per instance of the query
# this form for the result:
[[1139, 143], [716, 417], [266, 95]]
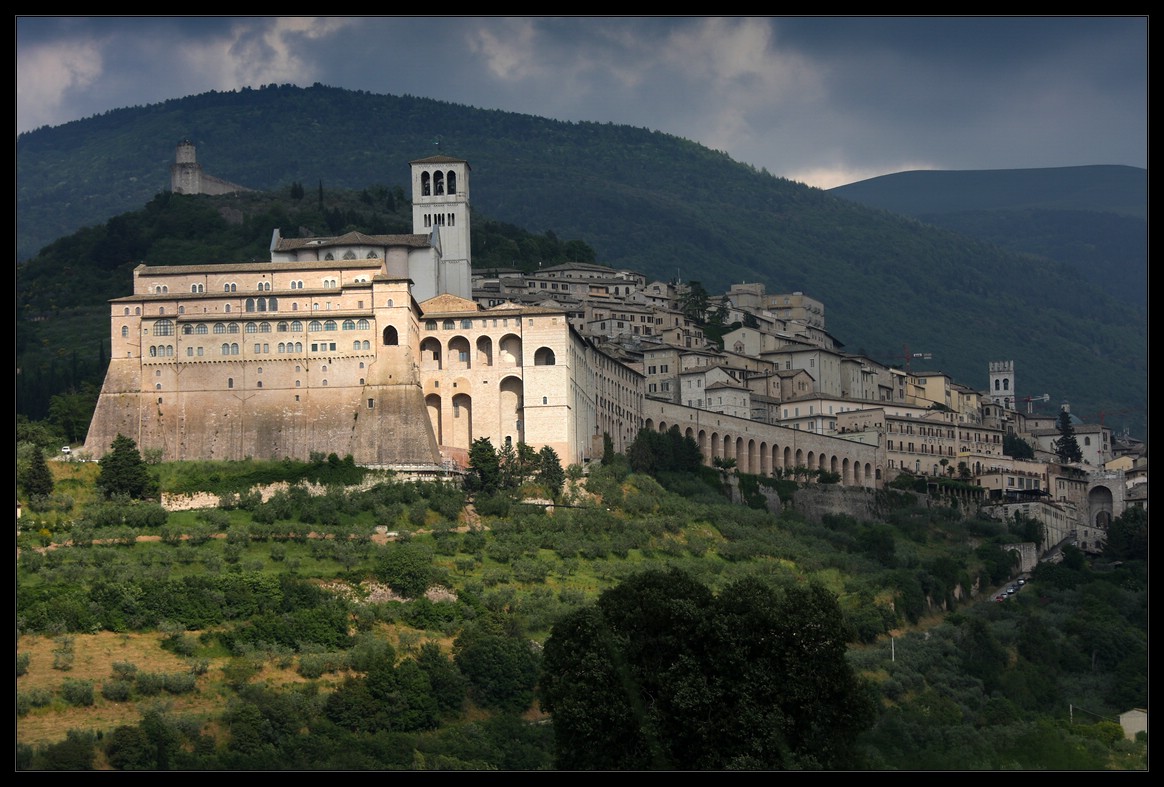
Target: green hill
[[1106, 189], [640, 199], [1092, 218]]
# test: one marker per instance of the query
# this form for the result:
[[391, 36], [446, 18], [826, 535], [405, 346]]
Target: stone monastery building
[[361, 345], [374, 346], [391, 349]]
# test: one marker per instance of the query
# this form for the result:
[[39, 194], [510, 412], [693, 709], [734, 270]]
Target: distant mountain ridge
[[1103, 188], [1093, 218], [641, 199]]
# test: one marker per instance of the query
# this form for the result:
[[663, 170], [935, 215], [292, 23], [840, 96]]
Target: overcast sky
[[821, 100]]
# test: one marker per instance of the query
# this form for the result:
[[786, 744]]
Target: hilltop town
[[393, 349]]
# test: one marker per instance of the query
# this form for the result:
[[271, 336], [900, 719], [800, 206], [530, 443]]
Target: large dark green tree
[[1015, 446], [501, 669], [1127, 536], [1067, 446], [550, 472], [662, 674], [124, 472], [695, 301], [37, 479], [484, 472], [407, 568]]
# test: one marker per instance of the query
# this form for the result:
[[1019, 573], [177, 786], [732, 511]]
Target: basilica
[[361, 345]]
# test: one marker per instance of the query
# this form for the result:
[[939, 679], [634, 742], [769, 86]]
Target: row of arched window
[[438, 183], [166, 327], [262, 305], [167, 351], [262, 286], [440, 219]]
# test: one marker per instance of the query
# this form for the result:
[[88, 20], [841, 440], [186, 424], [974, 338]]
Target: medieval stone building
[[361, 345], [187, 176]]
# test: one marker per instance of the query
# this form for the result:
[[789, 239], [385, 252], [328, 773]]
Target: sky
[[820, 100]]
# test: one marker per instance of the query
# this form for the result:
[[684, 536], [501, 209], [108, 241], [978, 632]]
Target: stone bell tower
[[1002, 390], [440, 209]]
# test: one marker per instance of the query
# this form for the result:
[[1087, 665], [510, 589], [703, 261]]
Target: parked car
[[1000, 597]]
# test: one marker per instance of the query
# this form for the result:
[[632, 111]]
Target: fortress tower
[[187, 177], [1001, 390]]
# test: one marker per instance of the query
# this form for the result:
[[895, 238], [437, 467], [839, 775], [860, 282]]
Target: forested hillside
[[354, 621], [1092, 218], [640, 199]]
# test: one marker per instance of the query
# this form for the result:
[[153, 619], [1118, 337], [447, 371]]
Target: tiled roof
[[439, 159], [353, 239]]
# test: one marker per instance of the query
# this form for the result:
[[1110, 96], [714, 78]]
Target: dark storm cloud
[[825, 100]]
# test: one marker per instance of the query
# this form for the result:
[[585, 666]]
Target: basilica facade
[[368, 345]]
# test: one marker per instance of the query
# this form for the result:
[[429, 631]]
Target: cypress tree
[[38, 479]]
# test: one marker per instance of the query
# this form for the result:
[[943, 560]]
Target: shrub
[[22, 660], [180, 643], [150, 684], [63, 654], [180, 682], [314, 665], [215, 520], [124, 670], [117, 690], [77, 692], [369, 652]]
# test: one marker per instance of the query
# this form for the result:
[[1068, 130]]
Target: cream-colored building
[[327, 348]]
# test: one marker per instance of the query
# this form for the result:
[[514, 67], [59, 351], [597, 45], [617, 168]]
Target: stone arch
[[430, 354], [460, 353], [741, 454], [484, 351], [511, 401], [753, 458], [845, 469], [462, 420], [1101, 506], [544, 356], [716, 447], [649, 424], [432, 404], [701, 441], [510, 350], [391, 337]]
